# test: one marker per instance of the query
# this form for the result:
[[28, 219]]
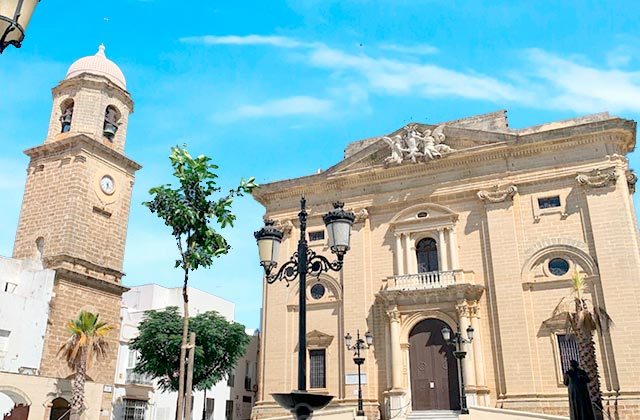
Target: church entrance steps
[[433, 415]]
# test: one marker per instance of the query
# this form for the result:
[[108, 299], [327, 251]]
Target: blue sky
[[277, 89]]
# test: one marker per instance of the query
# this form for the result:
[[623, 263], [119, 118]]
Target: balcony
[[429, 280], [430, 287], [134, 378]]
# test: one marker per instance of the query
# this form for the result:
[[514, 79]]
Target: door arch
[[60, 409], [434, 370]]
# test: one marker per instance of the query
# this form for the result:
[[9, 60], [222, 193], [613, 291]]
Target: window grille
[[568, 348], [228, 410], [134, 409], [316, 236], [209, 408], [317, 360], [548, 202]]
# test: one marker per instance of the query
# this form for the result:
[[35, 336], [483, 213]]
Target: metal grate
[[134, 409], [549, 202], [317, 371], [568, 348]]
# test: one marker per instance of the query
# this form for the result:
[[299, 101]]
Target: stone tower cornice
[[94, 81], [70, 141]]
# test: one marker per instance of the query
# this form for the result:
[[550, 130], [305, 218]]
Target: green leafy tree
[[584, 319], [219, 344], [85, 345], [193, 215]]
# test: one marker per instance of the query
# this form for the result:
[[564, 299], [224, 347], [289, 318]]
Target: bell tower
[[76, 202]]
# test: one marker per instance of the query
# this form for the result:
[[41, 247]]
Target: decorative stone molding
[[286, 226], [318, 339], [632, 178], [414, 145], [498, 195], [598, 178], [361, 215], [394, 314]]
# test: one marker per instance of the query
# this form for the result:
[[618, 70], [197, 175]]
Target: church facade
[[73, 224], [465, 224]]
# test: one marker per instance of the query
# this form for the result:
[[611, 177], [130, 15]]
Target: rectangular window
[[228, 410], [209, 409], [246, 399], [568, 348], [316, 236], [548, 202], [134, 409], [133, 358], [318, 368], [247, 376], [232, 378]]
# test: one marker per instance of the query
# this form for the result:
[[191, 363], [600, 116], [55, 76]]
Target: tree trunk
[[77, 387], [588, 361], [189, 382], [180, 414]]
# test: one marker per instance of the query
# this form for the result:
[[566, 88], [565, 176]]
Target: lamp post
[[14, 18], [358, 360], [457, 340], [303, 262]]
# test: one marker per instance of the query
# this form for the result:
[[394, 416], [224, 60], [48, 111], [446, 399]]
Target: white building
[[136, 398], [25, 294]]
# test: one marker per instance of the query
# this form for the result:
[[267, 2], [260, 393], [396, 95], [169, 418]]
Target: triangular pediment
[[418, 143], [317, 338]]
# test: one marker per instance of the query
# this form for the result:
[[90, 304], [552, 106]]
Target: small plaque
[[352, 379], [107, 388]]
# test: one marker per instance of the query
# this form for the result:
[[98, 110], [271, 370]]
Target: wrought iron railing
[[429, 280]]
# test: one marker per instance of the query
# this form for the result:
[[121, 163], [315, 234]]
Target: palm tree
[[86, 343], [583, 319]]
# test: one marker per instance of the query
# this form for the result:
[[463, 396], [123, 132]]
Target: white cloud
[[418, 49], [291, 106], [541, 80], [583, 88], [269, 40]]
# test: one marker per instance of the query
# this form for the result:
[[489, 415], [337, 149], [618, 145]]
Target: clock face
[[107, 184]]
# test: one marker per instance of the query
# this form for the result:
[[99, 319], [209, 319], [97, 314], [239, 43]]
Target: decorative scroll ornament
[[598, 178], [361, 215], [283, 225], [414, 145], [632, 178], [497, 195]]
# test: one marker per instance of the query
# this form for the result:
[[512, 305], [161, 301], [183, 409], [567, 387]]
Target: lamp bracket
[[316, 265]]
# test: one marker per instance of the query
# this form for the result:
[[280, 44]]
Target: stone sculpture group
[[413, 145]]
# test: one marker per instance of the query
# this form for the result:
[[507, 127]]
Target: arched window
[[427, 255], [60, 409], [111, 118], [66, 116]]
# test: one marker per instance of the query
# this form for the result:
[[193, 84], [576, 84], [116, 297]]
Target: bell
[[109, 130]]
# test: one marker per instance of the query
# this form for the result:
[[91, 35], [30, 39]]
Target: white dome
[[100, 65]]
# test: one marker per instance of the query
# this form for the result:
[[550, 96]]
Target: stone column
[[442, 251], [410, 254], [477, 346], [399, 255], [453, 248], [468, 365], [396, 351]]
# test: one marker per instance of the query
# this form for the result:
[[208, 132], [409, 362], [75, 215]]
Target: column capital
[[498, 194], [463, 309], [474, 310], [393, 314]]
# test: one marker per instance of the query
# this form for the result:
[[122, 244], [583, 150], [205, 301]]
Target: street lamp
[[338, 222], [457, 340], [358, 360], [14, 18]]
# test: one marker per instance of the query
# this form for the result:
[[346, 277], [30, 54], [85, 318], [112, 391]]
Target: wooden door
[[18, 412], [434, 373]]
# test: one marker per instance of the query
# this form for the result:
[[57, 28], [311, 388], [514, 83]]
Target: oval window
[[559, 266], [317, 291]]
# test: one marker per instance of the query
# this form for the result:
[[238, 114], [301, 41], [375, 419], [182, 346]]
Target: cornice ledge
[[498, 195], [598, 178], [84, 140]]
